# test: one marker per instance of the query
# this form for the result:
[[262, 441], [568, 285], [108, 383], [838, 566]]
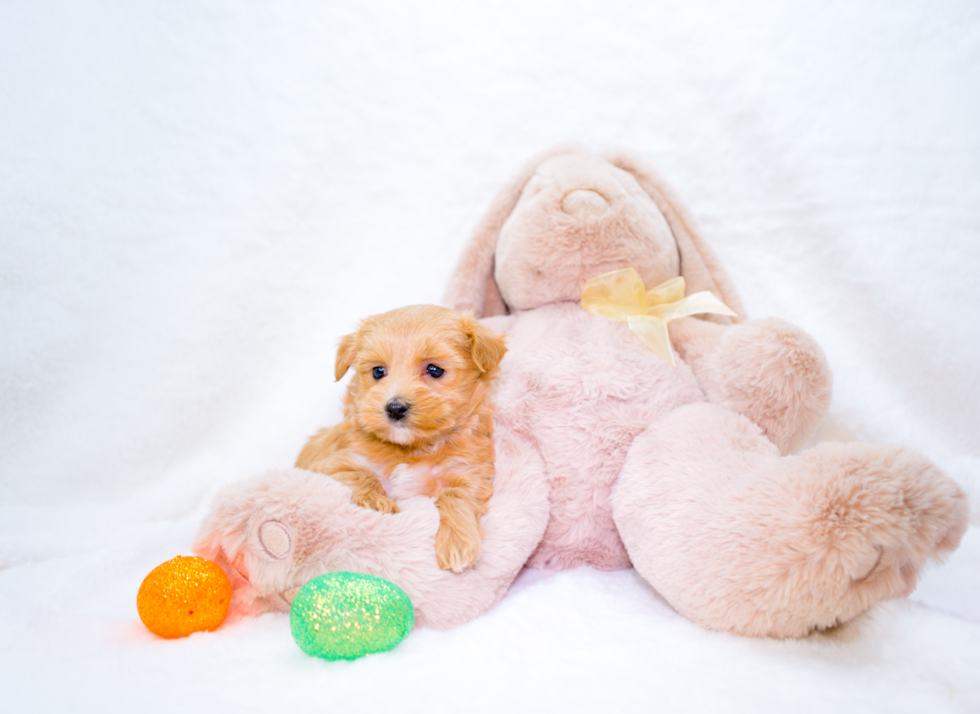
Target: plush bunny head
[[571, 215]]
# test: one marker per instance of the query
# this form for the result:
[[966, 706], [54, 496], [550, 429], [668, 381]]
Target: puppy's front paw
[[374, 500], [457, 549]]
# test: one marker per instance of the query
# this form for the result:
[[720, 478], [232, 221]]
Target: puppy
[[417, 421]]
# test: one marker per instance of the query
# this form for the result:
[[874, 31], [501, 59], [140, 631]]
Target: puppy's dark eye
[[434, 371], [378, 372]]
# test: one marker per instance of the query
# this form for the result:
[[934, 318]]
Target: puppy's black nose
[[397, 409]]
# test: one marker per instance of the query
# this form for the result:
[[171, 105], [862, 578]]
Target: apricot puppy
[[417, 421]]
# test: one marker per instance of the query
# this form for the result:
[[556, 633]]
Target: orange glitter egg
[[182, 596]]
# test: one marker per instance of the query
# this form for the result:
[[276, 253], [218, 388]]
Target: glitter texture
[[349, 615], [182, 596]]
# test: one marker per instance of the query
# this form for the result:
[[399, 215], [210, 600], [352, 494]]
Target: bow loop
[[616, 295], [622, 296]]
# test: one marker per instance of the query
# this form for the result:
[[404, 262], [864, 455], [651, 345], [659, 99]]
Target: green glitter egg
[[349, 615]]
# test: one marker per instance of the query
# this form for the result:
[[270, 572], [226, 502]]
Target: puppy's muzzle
[[396, 409]]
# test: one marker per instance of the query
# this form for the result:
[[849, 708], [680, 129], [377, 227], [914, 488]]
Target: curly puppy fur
[[417, 421]]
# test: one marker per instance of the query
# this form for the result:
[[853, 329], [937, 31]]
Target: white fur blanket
[[197, 199]]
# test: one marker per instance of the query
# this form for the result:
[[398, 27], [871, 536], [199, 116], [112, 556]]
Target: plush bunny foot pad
[[609, 456], [276, 539]]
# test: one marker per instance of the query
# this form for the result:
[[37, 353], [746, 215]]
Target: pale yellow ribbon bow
[[621, 296]]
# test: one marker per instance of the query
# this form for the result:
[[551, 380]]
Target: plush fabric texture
[[316, 529], [610, 457], [581, 390], [738, 538]]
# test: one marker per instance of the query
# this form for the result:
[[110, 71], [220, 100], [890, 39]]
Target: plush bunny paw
[[872, 518], [272, 533], [913, 514], [773, 373]]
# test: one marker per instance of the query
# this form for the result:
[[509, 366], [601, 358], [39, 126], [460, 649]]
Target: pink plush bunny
[[609, 456]]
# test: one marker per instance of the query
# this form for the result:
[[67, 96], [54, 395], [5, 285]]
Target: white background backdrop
[[197, 199]]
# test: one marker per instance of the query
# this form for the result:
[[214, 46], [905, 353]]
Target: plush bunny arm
[[767, 370]]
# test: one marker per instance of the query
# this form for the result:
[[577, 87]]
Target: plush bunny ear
[[699, 265], [472, 285]]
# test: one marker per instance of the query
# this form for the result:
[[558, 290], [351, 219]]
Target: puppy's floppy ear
[[486, 348], [345, 355]]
